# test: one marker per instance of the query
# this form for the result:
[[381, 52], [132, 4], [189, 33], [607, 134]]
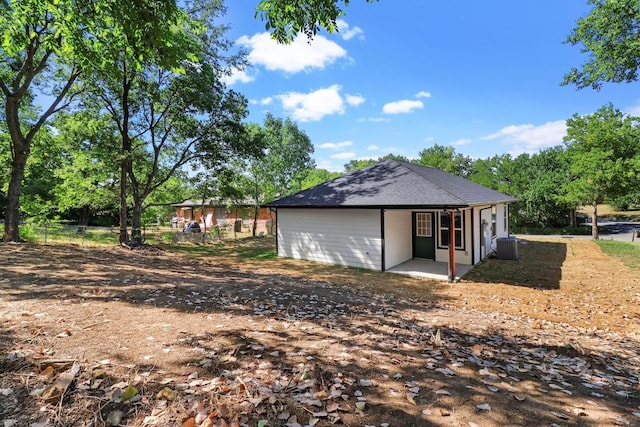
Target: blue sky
[[403, 75]]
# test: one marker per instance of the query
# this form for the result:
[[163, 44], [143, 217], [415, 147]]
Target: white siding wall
[[397, 237], [483, 213], [500, 228], [338, 236]]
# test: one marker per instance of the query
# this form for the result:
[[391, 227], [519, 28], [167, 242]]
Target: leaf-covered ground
[[95, 337]]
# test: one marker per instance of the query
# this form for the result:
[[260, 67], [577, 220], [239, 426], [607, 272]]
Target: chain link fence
[[97, 236]]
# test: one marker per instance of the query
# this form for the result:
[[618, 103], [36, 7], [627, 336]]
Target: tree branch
[[52, 107]]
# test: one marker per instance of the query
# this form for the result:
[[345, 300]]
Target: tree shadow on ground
[[291, 339], [275, 328], [384, 354], [539, 266]]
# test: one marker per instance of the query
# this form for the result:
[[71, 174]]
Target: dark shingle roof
[[392, 183]]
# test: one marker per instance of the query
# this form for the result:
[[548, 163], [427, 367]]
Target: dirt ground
[[109, 336]]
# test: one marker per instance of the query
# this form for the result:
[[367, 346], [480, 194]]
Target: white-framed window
[[494, 226], [505, 218], [445, 223], [424, 228]]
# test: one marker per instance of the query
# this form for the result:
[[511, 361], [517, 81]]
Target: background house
[[223, 213], [391, 212]]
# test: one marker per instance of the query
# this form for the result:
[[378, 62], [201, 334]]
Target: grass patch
[[628, 253], [240, 249], [540, 266]]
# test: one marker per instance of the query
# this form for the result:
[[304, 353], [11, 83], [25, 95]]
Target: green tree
[[37, 199], [543, 179], [317, 176], [170, 106], [287, 18], [446, 159], [34, 37], [490, 172], [358, 164], [604, 154], [609, 34], [277, 171], [45, 46], [87, 178]]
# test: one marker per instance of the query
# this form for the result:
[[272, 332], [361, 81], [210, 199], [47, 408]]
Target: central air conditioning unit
[[507, 248]]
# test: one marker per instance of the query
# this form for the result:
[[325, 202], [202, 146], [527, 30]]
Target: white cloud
[[461, 141], [299, 55], [429, 139], [336, 145], [346, 32], [344, 156], [423, 94], [328, 165], [313, 106], [530, 138], [354, 100], [402, 106], [373, 147], [264, 101], [238, 76], [633, 110], [373, 119]]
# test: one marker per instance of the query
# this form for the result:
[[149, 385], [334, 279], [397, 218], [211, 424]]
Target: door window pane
[[423, 225]]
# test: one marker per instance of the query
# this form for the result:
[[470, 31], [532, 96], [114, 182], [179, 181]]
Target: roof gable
[[392, 183]]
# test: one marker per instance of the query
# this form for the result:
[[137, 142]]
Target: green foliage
[[87, 176], [46, 44], [28, 233], [170, 106], [317, 176], [492, 172], [355, 165], [287, 18], [446, 159], [280, 169], [626, 202], [358, 164], [604, 155], [609, 34], [538, 181]]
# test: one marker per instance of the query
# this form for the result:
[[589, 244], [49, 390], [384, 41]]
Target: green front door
[[424, 244]]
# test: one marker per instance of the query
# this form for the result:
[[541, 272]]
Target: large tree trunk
[[572, 218], [12, 214], [136, 223], [123, 202], [84, 215], [594, 222], [20, 149], [125, 153]]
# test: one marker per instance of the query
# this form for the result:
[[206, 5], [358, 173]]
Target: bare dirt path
[[164, 339]]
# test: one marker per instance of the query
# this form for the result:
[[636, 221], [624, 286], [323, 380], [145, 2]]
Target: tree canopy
[[446, 159], [46, 45], [279, 169], [604, 155], [609, 34], [285, 19]]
